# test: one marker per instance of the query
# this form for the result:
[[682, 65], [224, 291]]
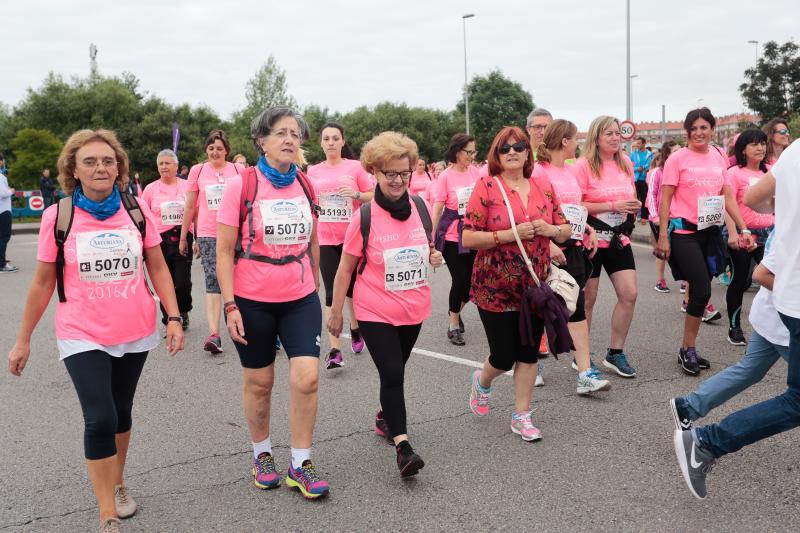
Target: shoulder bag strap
[[516, 235]]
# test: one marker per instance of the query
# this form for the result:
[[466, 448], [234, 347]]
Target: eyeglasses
[[518, 147], [391, 175], [782, 132], [470, 152], [537, 126], [283, 134], [91, 162]]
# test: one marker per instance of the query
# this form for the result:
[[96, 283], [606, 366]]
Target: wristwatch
[[177, 319], [358, 195]]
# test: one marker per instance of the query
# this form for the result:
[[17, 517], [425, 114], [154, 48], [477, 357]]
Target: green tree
[[316, 117], [34, 150], [494, 101], [772, 88]]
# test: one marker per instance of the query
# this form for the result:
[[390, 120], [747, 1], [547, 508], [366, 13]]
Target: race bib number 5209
[[710, 211], [109, 255]]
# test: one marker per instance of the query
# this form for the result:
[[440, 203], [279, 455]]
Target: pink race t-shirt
[[108, 301], [210, 186], [337, 210], [740, 179], [283, 225], [394, 286], [454, 189], [694, 176], [612, 185], [419, 185], [563, 180], [166, 202]]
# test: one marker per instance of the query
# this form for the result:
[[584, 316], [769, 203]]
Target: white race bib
[[335, 208], [710, 211], [286, 221], [576, 214], [754, 180], [108, 255], [463, 195], [214, 196], [406, 268], [172, 212]]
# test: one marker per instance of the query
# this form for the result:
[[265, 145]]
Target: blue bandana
[[277, 178], [99, 210]]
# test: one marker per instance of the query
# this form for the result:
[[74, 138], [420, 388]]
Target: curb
[[24, 229]]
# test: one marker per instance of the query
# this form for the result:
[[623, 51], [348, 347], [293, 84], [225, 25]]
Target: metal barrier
[[27, 204]]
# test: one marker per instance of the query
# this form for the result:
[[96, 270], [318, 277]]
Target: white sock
[[261, 447], [299, 455]]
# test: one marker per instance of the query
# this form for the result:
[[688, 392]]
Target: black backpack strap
[[248, 197], [65, 212], [135, 212], [425, 216], [303, 180], [366, 222]]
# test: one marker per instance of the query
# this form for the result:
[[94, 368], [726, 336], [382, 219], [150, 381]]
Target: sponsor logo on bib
[[107, 241]]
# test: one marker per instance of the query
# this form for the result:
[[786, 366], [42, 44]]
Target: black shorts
[[505, 346], [612, 260], [579, 266], [330, 255], [298, 323]]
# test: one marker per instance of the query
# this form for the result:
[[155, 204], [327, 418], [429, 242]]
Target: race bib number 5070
[[109, 255]]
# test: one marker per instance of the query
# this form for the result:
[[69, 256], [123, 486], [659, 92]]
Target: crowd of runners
[[525, 235]]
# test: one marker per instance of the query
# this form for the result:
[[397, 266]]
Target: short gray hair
[[538, 112], [263, 123], [166, 152]]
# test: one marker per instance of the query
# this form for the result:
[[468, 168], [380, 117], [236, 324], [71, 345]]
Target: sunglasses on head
[[518, 147]]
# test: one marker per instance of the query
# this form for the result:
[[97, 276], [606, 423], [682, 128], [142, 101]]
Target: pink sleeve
[[353, 243], [439, 193], [194, 175], [363, 181], [151, 235], [147, 194], [228, 212], [47, 243], [671, 172]]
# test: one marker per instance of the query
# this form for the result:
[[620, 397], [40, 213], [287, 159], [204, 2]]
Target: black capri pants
[[579, 266], [740, 281], [105, 386], [180, 268], [687, 252], [505, 345], [460, 267], [330, 255], [390, 347], [641, 195]]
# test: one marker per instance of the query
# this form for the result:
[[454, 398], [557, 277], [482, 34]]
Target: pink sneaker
[[521, 425], [478, 401], [710, 314]]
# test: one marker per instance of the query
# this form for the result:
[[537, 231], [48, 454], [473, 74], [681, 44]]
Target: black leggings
[[641, 195], [105, 386], [330, 255], [740, 281], [689, 257], [460, 267], [390, 347], [180, 269]]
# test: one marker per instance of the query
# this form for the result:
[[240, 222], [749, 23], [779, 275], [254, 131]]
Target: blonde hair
[[76, 141], [556, 132], [385, 147], [592, 153], [300, 159]]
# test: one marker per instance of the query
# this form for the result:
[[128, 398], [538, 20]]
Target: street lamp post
[[755, 43], [630, 110], [466, 87], [628, 61]]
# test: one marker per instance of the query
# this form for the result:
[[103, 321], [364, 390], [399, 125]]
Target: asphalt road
[[605, 462]]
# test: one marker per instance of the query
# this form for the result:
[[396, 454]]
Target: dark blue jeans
[[764, 419], [5, 235]]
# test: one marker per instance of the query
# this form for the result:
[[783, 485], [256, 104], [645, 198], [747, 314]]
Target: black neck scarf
[[399, 209]]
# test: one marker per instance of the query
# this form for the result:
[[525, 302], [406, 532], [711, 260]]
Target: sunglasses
[[782, 132], [518, 147]]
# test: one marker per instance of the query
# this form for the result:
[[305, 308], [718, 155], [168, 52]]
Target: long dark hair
[[769, 129], [347, 153], [750, 136], [457, 143], [666, 151]]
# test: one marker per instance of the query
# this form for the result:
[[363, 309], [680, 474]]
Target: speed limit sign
[[627, 129]]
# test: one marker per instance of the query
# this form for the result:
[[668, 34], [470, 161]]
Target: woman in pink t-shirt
[[206, 185], [342, 185], [166, 198], [392, 296], [605, 175], [268, 268], [450, 197], [695, 201], [421, 181], [653, 203], [559, 144], [501, 277], [105, 317]]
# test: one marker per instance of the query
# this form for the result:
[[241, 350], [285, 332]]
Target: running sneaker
[[456, 337], [703, 363], [688, 360], [356, 341], [213, 344], [593, 366], [185, 321], [736, 336], [408, 461], [521, 425], [8, 268], [683, 287], [725, 279], [307, 481], [264, 474], [539, 376], [110, 525], [124, 502], [680, 414], [710, 314], [382, 428], [544, 349], [590, 381], [695, 462], [335, 359], [478, 401], [661, 286], [619, 364]]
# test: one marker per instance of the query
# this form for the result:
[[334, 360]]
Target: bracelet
[[358, 195], [496, 238], [745, 232], [175, 319], [229, 302], [231, 308], [558, 232]]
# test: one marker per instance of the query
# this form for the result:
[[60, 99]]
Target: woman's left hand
[[592, 245], [540, 227], [436, 257], [347, 191], [175, 337], [335, 323]]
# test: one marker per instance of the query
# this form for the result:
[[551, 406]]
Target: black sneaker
[[695, 462], [185, 317], [703, 363], [382, 428], [736, 336], [460, 324], [688, 361], [408, 462], [456, 337], [679, 414]]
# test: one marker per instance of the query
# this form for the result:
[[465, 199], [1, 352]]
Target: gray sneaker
[[109, 525], [125, 504], [455, 337], [9, 268], [695, 462]]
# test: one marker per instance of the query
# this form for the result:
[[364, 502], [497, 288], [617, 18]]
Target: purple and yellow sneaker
[[307, 481], [356, 341], [264, 474]]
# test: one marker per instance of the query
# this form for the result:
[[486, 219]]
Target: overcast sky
[[569, 55]]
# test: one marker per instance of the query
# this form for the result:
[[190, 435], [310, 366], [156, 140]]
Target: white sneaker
[[590, 381], [539, 379]]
